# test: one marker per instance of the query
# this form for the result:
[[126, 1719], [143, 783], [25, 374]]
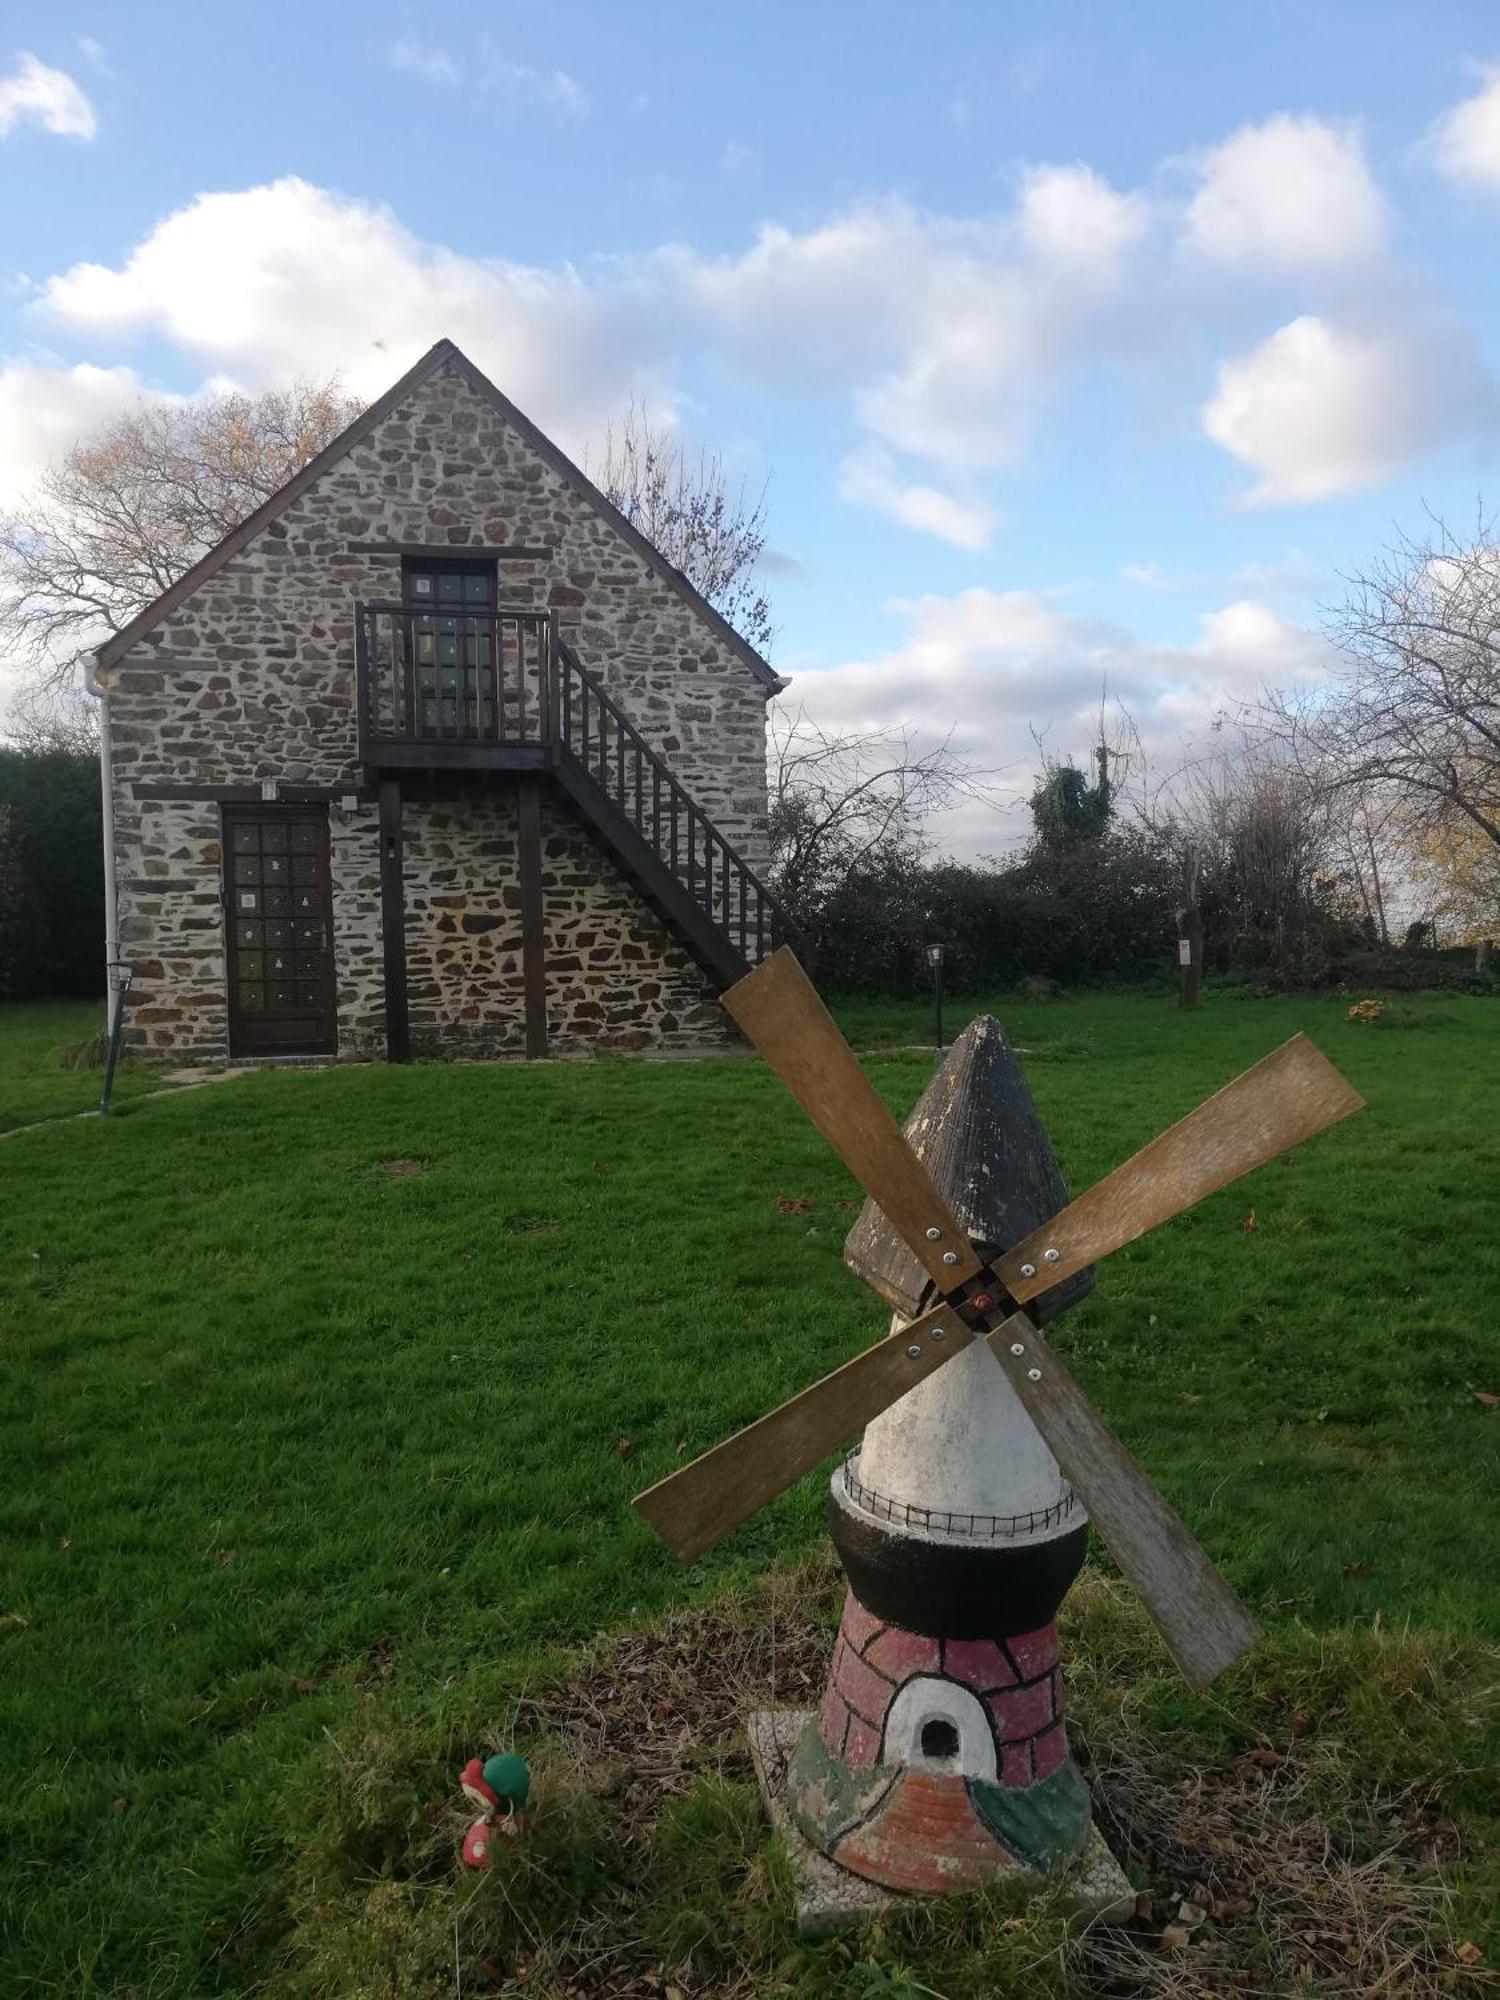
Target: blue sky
[[1080, 344]]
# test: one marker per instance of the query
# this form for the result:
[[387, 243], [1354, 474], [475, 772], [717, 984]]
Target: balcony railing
[[495, 688], [434, 678]]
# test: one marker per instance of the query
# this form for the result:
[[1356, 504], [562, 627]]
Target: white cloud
[[951, 334], [491, 70], [426, 59], [1465, 141], [288, 279], [1149, 576], [1291, 195], [45, 407], [522, 83], [1319, 410], [868, 478], [1071, 220], [992, 671], [33, 94]]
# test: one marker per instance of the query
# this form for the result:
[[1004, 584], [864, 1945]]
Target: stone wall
[[251, 678]]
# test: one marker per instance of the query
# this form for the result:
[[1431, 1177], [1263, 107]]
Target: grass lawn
[[325, 1395], [38, 1079]]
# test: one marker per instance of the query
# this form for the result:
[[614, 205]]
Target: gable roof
[[442, 354]]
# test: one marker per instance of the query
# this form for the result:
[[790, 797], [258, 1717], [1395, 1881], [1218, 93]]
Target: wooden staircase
[[499, 690], [635, 806]]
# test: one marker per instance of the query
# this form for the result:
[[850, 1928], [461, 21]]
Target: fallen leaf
[[1265, 1756], [681, 1446], [600, 1168], [304, 1686], [793, 1204], [224, 1558], [1191, 1913], [622, 1445], [1355, 1569], [1487, 1397], [1468, 1953], [118, 1805], [1249, 1222], [1174, 1938]]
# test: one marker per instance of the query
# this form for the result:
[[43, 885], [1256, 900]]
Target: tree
[[1066, 808], [846, 804], [1414, 714], [685, 506], [1271, 883], [122, 514], [51, 877], [1461, 867]]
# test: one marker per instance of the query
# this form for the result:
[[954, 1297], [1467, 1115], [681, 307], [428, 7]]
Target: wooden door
[[279, 919], [454, 647]]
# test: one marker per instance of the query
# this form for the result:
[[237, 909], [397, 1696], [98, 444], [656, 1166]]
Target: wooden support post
[[533, 917], [1190, 931], [393, 924]]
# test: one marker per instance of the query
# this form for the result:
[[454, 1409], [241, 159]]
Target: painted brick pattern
[[252, 678], [1019, 1680]]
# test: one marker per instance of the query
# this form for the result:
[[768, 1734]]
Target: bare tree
[[126, 511], [841, 802], [1414, 715], [685, 505], [1268, 836]]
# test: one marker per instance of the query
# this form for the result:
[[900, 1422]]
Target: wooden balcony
[[498, 690], [461, 690]]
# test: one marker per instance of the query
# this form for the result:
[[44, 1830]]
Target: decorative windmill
[[939, 1758]]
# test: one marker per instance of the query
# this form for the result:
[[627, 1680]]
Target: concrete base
[[829, 1897]]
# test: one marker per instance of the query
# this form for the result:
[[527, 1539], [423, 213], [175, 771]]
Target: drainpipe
[[113, 964]]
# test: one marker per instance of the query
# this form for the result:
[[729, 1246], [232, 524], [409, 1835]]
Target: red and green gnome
[[500, 1787]]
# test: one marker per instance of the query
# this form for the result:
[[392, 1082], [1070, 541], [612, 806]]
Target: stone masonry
[[251, 677]]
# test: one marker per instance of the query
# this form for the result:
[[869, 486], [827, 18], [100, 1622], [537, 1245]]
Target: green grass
[[296, 1446], [39, 1040]]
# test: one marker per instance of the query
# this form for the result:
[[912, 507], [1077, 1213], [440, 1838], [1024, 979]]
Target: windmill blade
[[1205, 1626], [1284, 1099], [778, 1008], [698, 1506]]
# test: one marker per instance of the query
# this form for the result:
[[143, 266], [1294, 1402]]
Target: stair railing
[[592, 727]]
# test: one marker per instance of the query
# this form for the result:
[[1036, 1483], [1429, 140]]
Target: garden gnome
[[500, 1787]]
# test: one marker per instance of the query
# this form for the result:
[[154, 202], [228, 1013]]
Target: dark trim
[[455, 551], [945, 1590], [435, 754], [393, 924], [250, 795], [533, 916], [443, 354]]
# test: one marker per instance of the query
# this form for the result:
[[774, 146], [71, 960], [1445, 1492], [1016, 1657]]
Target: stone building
[[435, 754]]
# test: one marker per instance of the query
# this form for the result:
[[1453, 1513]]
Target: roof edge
[[436, 357]]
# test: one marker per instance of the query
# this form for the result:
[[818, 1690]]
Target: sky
[[1080, 348]]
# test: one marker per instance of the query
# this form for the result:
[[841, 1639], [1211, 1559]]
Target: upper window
[[441, 584]]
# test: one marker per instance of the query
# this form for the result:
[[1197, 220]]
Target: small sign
[[1184, 951], [247, 899], [268, 790]]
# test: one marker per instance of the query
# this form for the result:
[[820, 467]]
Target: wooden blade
[[778, 1008], [699, 1505], [1205, 1626], [1283, 1100]]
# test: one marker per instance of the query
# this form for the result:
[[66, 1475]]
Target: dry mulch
[[1256, 1889]]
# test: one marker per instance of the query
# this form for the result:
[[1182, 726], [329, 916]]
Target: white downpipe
[[114, 968]]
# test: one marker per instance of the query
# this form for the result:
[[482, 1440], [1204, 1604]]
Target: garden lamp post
[[935, 960]]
